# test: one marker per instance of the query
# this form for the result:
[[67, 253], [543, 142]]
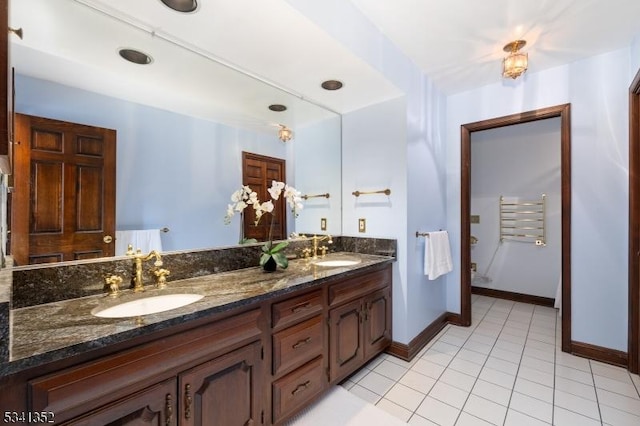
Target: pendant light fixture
[[515, 64], [284, 134]]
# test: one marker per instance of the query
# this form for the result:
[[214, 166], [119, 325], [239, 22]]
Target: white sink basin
[[146, 305], [337, 262]]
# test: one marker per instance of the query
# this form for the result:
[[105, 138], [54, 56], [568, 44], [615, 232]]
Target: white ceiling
[[457, 43]]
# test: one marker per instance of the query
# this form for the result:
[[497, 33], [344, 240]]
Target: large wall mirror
[[182, 121]]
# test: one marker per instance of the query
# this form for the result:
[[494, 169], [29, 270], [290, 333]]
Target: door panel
[[66, 206]]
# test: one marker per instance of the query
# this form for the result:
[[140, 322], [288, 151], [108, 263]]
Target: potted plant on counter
[[272, 255]]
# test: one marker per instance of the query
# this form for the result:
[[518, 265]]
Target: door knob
[[107, 239]]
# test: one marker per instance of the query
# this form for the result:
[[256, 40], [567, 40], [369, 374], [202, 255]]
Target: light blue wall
[[405, 147], [597, 89], [172, 170]]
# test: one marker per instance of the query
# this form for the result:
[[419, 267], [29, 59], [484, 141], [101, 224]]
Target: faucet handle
[[306, 252], [113, 283], [324, 249], [130, 251], [161, 277]]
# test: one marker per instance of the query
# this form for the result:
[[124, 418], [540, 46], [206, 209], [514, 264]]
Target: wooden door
[[345, 346], [258, 171], [225, 391], [63, 205], [377, 322], [155, 406]]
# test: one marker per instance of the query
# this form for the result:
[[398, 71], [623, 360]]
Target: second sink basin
[[146, 305], [337, 262]]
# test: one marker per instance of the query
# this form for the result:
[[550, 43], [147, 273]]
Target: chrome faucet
[[138, 258]]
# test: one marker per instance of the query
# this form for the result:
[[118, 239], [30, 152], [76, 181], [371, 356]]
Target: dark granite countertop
[[52, 331]]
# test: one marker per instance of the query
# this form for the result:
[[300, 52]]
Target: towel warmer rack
[[523, 220]]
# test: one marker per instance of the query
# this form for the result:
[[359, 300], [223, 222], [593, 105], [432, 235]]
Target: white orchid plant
[[245, 197]]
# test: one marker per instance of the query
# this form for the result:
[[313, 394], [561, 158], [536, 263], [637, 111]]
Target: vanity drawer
[[297, 388], [297, 344], [358, 286], [296, 308]]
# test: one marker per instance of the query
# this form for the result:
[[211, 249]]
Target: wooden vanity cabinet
[[360, 321], [209, 372]]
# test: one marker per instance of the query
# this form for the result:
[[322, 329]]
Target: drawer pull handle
[[300, 307], [187, 401], [301, 387], [168, 410], [301, 343]]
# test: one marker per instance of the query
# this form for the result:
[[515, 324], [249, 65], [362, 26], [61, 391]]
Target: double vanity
[[232, 348]]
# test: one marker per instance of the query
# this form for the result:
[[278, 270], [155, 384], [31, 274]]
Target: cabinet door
[[156, 406], [224, 391], [377, 322], [345, 339]]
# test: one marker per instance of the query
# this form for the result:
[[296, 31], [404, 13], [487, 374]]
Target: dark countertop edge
[[34, 361]]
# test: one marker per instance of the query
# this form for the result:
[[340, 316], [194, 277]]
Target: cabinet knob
[[187, 401], [301, 387], [107, 239]]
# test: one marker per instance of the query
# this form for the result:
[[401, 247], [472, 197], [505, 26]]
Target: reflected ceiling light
[[515, 64], [331, 85], [285, 134], [181, 5], [135, 56], [277, 107]]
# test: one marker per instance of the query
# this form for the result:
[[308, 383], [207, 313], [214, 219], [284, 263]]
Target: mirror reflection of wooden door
[[63, 203], [258, 171]]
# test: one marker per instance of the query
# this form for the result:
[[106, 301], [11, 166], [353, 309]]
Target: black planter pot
[[270, 265]]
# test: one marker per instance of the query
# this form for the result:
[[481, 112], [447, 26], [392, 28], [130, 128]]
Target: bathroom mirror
[[182, 120]]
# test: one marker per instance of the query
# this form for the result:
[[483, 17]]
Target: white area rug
[[340, 407]]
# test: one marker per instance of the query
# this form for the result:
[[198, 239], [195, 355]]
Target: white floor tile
[[508, 346], [364, 393], [575, 403], [497, 377], [627, 389], [466, 367], [536, 376], [436, 357], [482, 338], [458, 379], [572, 361], [492, 392], [449, 394], [467, 419], [532, 407], [612, 416], [417, 381], [405, 397], [477, 347], [563, 417], [515, 418], [502, 365], [394, 409], [576, 388], [538, 364], [390, 370], [376, 383], [453, 340], [620, 402], [417, 420], [469, 355], [485, 410], [438, 412], [427, 368], [574, 374], [506, 355], [445, 348], [534, 390]]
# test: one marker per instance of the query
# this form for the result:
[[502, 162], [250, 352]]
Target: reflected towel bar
[[165, 229], [306, 197], [382, 191]]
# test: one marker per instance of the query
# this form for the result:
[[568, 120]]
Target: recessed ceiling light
[[185, 6], [277, 107], [331, 85], [135, 56]]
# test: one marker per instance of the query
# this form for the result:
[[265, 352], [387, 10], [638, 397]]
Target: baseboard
[[408, 352], [599, 353], [510, 295]]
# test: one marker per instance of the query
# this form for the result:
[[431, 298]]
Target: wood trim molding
[[408, 352], [564, 112], [634, 225], [599, 353], [510, 295]]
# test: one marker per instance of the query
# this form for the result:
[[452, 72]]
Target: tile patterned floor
[[507, 369]]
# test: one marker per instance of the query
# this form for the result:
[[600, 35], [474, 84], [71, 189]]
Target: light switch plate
[[323, 224], [362, 225], [475, 218]]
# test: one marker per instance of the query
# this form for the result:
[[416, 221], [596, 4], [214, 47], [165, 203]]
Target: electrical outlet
[[362, 225], [474, 266], [323, 224], [475, 218]]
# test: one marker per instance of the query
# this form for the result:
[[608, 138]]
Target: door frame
[[564, 112], [634, 226]]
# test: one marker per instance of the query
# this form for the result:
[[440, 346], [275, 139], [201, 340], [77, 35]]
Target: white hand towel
[[143, 239], [437, 254]]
